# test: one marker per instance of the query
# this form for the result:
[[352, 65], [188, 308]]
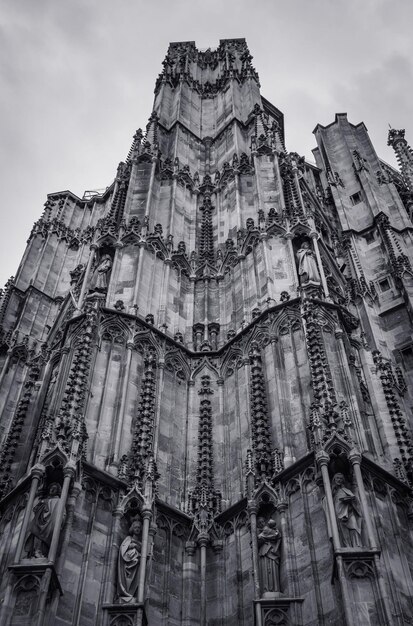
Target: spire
[[404, 155]]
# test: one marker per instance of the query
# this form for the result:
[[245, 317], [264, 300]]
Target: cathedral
[[207, 376]]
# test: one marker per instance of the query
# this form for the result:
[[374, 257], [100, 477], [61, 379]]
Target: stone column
[[147, 516], [43, 593], [237, 201], [159, 387], [163, 300], [252, 511], [5, 366], [36, 472], [189, 574], [70, 509], [122, 408], [117, 261], [289, 237], [355, 459], [172, 203], [348, 381], [68, 473], [257, 177], [139, 264], [281, 508], [71, 504], [202, 541], [93, 248], [297, 186], [111, 572], [322, 459], [149, 196], [347, 605], [314, 237]]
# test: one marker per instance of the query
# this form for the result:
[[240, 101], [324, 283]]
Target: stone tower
[[206, 383]]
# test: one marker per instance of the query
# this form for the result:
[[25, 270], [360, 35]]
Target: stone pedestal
[[124, 614], [33, 583], [278, 610], [358, 562], [364, 596]]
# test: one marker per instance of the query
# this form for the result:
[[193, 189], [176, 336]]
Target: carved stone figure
[[269, 550], [307, 265], [128, 563], [42, 524], [99, 280], [348, 512]]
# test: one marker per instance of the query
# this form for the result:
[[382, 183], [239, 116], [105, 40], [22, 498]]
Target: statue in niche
[[348, 514], [99, 280], [42, 524], [128, 563], [307, 265], [269, 554]]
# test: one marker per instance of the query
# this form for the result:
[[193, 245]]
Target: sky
[[77, 80]]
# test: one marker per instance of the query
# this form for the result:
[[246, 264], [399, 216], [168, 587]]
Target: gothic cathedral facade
[[207, 376]]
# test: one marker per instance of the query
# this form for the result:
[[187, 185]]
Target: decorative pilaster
[[261, 437], [204, 501], [69, 427], [399, 422], [206, 243], [324, 418], [11, 442], [142, 443]]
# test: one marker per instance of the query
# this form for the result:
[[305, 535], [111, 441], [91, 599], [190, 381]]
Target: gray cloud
[[77, 79]]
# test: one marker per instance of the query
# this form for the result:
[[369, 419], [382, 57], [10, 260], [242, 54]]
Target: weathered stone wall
[[199, 386]]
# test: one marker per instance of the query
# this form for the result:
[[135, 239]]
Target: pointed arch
[[144, 340], [175, 362], [114, 328], [289, 319], [233, 360], [260, 334], [266, 494], [204, 363], [133, 500], [336, 443]]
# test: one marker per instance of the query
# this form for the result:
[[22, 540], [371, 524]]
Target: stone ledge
[[36, 567], [126, 610]]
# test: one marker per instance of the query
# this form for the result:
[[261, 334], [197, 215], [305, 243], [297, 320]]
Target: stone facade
[[206, 384]]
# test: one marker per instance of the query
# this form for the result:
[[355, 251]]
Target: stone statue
[[99, 280], [128, 563], [42, 524], [269, 550], [307, 265], [348, 512]]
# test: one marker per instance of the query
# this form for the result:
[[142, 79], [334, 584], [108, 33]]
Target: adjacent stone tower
[[206, 384]]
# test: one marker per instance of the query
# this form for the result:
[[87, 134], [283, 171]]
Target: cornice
[[250, 120]]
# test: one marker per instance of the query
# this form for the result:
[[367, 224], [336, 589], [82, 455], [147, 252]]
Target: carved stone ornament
[[128, 563], [42, 524], [269, 555], [348, 512], [99, 280], [307, 265]]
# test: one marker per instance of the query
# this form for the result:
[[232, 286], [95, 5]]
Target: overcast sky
[[77, 79]]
